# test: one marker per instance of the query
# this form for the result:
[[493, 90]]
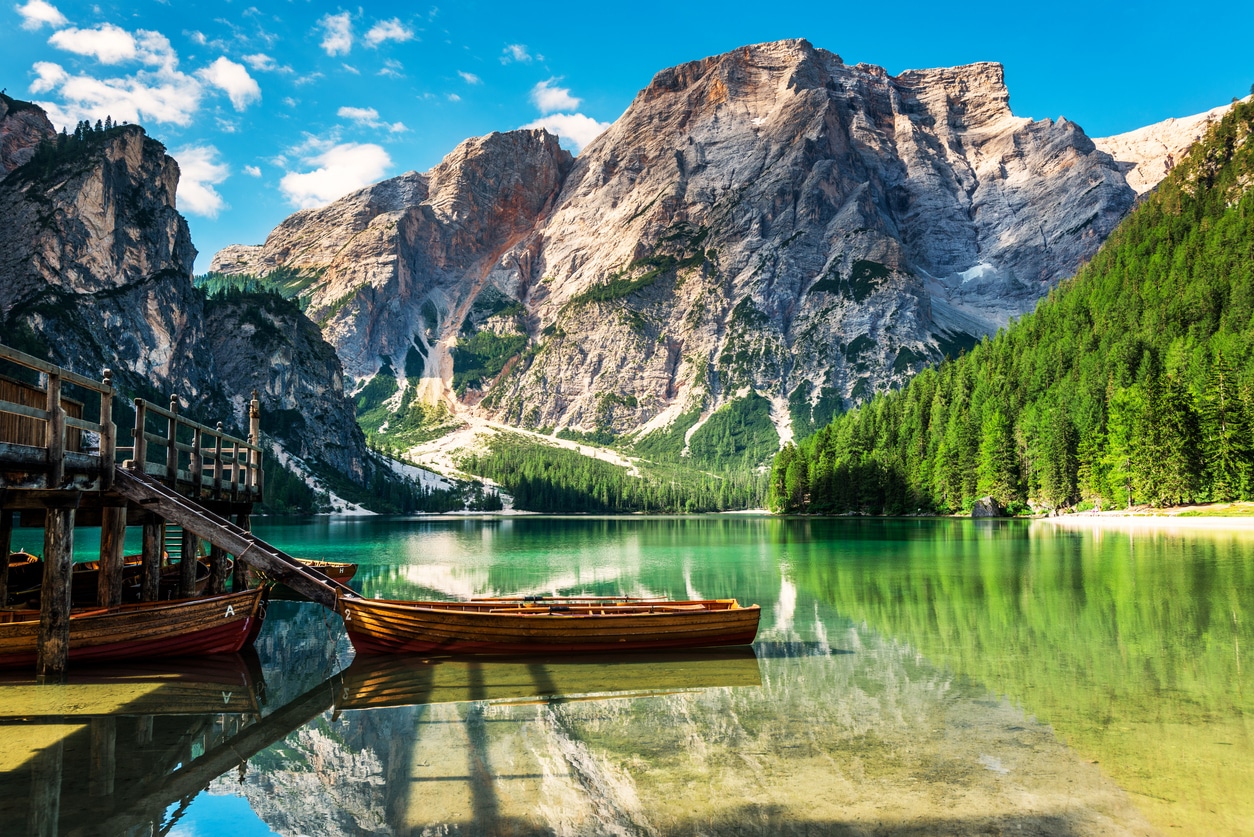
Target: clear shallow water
[[909, 677]]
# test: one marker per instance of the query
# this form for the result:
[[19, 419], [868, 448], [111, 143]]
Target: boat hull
[[386, 627], [187, 627]]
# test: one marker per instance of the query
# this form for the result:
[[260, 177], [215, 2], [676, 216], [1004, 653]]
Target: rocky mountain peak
[[23, 126], [768, 223]]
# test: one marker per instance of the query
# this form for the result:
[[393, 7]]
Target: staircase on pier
[[148, 492]]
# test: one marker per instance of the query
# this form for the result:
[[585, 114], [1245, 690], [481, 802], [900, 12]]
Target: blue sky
[[273, 106]]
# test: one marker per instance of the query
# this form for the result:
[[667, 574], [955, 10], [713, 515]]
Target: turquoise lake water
[[909, 677]]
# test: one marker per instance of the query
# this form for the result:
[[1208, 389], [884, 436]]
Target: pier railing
[[47, 440], [187, 454], [44, 435]]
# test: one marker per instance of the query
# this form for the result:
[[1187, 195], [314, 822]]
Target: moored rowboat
[[185, 627], [544, 627]]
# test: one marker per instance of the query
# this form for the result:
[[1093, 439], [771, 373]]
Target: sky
[[271, 107]]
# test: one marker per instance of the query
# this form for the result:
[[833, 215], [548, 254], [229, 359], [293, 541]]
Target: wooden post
[[141, 441], [108, 433], [240, 578], [154, 545], [143, 730], [217, 464], [6, 544], [103, 767], [235, 483], [54, 596], [217, 570], [112, 545], [45, 791], [55, 439], [187, 567], [195, 465], [254, 456], [172, 451]]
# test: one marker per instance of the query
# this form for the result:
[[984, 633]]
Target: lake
[[910, 677]]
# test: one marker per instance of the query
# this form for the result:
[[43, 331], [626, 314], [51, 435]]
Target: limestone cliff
[[770, 220], [1148, 154], [23, 127], [96, 267]]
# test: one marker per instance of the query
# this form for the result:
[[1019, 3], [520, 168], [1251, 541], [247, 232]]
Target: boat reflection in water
[[127, 750], [401, 680]]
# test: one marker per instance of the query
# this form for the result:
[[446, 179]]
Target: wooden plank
[[79, 424], [22, 410], [32, 362], [53, 647]]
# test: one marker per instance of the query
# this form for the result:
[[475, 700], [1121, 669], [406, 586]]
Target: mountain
[[1148, 154], [1133, 383], [97, 267], [770, 231]]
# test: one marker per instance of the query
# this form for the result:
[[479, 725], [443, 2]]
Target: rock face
[[22, 127], [1148, 154], [987, 507], [97, 266], [770, 220]]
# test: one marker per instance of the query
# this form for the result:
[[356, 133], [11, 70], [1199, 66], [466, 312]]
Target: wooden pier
[[180, 480]]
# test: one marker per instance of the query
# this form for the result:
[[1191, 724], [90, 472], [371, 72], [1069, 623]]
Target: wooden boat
[[334, 570], [374, 681], [544, 626], [184, 627], [25, 571]]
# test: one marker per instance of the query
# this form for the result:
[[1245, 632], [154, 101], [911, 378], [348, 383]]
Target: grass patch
[[482, 357], [740, 434]]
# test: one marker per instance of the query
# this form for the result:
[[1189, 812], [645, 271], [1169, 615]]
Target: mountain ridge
[[770, 220]]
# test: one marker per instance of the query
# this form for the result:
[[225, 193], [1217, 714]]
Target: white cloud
[[549, 99], [263, 63], [234, 80], [369, 117], [389, 30], [470, 78], [392, 68], [49, 76], [340, 169], [199, 171], [107, 43], [37, 13], [578, 130], [162, 96], [337, 33], [252, 171], [350, 68], [453, 97], [515, 52], [366, 115], [157, 92]]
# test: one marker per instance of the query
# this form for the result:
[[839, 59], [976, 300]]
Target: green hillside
[[1131, 383]]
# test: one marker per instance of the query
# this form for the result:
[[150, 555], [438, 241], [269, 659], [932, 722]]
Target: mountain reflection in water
[[910, 677]]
